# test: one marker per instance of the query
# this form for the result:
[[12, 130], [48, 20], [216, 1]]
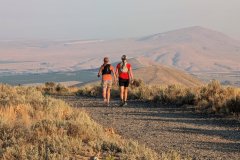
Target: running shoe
[[125, 103]]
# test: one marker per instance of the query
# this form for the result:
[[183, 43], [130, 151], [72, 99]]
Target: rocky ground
[[165, 128]]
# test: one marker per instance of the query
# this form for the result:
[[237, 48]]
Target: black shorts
[[123, 82]]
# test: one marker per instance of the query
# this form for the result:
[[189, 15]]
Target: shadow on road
[[165, 127]]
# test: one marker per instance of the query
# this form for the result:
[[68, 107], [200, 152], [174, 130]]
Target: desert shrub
[[111, 147], [137, 83], [175, 95], [90, 90], [146, 92], [233, 105], [61, 89], [137, 90], [33, 126], [215, 98], [50, 84], [210, 98], [52, 88], [19, 95]]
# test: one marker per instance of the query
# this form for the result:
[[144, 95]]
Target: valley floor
[[167, 128]]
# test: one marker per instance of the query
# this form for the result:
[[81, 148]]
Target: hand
[[98, 75], [115, 81], [132, 81]]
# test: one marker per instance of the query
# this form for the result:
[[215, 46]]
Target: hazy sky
[[109, 19]]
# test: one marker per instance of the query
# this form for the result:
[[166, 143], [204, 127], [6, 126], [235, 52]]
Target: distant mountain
[[193, 49]]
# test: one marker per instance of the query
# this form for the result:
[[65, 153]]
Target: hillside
[[153, 73], [163, 75], [194, 49], [191, 49]]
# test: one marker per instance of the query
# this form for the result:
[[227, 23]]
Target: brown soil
[[165, 128]]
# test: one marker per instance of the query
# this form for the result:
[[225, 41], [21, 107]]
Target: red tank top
[[123, 75]]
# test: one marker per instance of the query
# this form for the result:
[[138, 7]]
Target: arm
[[131, 74], [100, 71], [114, 75]]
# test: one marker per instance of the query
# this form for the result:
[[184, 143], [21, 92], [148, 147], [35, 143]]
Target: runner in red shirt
[[124, 73]]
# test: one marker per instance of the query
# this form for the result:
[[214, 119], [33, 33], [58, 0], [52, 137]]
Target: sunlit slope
[[163, 75]]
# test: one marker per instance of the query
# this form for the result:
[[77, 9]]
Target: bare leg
[[122, 93], [104, 94], [125, 94], [108, 95]]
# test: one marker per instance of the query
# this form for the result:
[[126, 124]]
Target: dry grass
[[52, 88], [210, 98], [215, 98], [33, 126]]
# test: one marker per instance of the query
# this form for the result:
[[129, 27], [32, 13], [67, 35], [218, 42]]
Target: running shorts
[[107, 84], [123, 82]]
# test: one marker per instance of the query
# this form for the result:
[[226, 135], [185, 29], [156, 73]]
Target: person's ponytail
[[124, 63]]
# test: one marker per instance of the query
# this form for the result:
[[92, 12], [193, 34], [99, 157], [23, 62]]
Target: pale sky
[[110, 19]]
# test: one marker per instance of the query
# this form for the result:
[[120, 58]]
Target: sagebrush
[[34, 126], [210, 98]]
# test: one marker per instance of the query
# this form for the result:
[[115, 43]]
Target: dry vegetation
[[210, 98], [34, 126], [52, 88]]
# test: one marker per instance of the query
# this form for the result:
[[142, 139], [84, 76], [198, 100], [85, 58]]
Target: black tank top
[[106, 69]]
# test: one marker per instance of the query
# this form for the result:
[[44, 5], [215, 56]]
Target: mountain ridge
[[191, 49]]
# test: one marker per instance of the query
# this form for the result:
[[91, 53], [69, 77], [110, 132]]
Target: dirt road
[[168, 128]]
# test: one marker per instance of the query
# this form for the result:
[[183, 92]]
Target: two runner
[[123, 72]]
